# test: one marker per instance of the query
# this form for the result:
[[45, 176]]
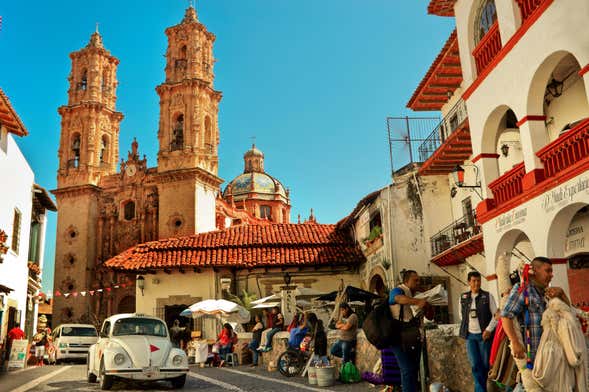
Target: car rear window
[[139, 326], [78, 331]]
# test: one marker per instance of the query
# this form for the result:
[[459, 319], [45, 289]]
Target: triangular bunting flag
[[66, 294], [108, 289], [91, 292], [57, 293], [99, 290], [123, 285], [116, 286], [83, 293], [75, 293]]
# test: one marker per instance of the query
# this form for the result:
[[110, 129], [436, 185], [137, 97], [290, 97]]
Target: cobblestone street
[[73, 378]]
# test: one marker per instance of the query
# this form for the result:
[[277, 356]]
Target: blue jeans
[[478, 353], [271, 334], [224, 350], [343, 349], [253, 345], [409, 364]]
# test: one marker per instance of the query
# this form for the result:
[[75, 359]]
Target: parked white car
[[72, 341], [137, 347]]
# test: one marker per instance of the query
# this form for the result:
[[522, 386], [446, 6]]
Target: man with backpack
[[408, 349]]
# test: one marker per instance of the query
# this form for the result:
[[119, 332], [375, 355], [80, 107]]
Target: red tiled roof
[[9, 118], [441, 7], [444, 76], [245, 247]]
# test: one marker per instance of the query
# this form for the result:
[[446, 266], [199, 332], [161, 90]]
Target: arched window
[[487, 15], [208, 135], [103, 149], [105, 87], [266, 212], [129, 210], [75, 158], [178, 133], [84, 80], [181, 62]]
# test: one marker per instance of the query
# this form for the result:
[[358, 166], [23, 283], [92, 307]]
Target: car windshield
[[78, 331], [139, 326]]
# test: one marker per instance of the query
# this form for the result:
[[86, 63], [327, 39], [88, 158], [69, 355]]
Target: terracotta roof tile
[[441, 7], [246, 247]]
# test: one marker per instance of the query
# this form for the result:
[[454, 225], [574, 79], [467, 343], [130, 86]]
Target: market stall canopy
[[230, 311], [352, 294]]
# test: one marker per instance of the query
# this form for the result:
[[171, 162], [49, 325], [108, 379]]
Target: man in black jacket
[[477, 308]]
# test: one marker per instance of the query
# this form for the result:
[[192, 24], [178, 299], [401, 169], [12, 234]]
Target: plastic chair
[[231, 359]]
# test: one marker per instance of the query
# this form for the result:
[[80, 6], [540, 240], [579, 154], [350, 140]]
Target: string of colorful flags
[[91, 292]]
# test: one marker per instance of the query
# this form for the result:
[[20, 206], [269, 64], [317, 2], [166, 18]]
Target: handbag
[[380, 328], [215, 348], [410, 335]]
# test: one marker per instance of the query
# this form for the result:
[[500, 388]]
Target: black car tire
[[178, 382], [106, 381]]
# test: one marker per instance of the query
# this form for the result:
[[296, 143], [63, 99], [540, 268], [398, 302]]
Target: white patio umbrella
[[230, 311], [271, 298]]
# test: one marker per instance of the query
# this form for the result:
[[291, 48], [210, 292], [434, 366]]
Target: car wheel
[[105, 380], [91, 376], [179, 382]]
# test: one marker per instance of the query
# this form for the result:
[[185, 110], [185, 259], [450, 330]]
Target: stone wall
[[447, 358], [366, 354]]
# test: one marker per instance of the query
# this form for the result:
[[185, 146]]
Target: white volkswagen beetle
[[138, 347]]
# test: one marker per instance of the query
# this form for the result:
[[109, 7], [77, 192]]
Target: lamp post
[[458, 176], [141, 284]]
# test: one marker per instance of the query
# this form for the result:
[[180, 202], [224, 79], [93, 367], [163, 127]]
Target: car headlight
[[119, 359], [177, 360]]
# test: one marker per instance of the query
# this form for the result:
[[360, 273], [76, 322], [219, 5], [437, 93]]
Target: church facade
[[107, 206]]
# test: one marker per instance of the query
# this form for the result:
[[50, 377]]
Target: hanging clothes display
[[561, 361]]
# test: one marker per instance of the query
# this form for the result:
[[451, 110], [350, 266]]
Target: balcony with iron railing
[[448, 144], [563, 159], [457, 241]]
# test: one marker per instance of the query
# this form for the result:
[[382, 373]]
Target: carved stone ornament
[[71, 234], [176, 222], [177, 100]]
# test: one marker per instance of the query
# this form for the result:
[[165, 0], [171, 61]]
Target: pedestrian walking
[[477, 308]]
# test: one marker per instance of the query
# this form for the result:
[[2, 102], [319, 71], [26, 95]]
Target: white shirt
[[473, 322]]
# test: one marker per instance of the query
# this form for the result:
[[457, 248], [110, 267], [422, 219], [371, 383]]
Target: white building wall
[[17, 180], [517, 82], [205, 209]]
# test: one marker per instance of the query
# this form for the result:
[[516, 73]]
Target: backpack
[[349, 373], [380, 328]]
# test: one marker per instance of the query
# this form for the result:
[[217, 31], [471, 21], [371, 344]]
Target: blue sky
[[313, 80]]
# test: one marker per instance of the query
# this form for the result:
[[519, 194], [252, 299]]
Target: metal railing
[[443, 130], [455, 233]]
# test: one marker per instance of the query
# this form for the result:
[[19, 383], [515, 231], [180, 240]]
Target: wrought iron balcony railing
[[455, 233], [453, 119]]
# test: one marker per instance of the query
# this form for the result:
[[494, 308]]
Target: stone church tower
[[188, 130], [102, 211]]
